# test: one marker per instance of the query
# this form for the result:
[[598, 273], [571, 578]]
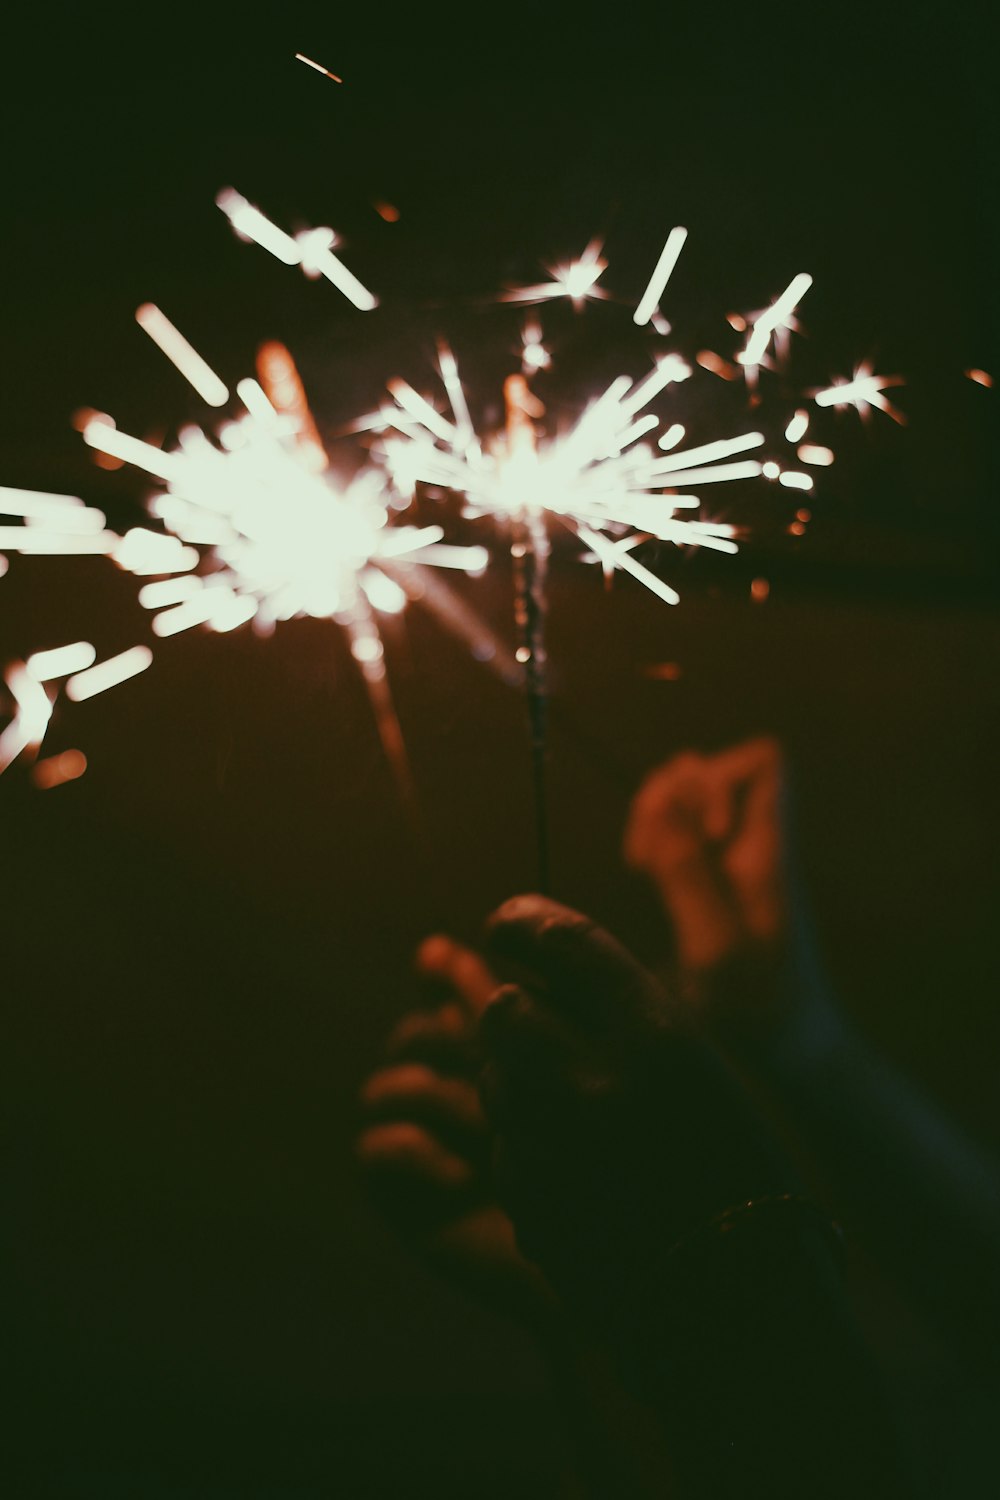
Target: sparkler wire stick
[[530, 554]]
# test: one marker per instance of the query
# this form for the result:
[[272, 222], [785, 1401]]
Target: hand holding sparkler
[[642, 1181], [424, 1145]]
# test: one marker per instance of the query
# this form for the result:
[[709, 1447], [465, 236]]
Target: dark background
[[208, 935]]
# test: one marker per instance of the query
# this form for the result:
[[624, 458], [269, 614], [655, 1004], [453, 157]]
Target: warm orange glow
[[759, 590], [387, 211], [813, 453], [716, 365], [58, 769], [283, 387], [980, 377]]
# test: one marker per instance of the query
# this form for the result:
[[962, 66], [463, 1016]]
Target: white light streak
[[60, 661], [774, 318], [793, 481], [254, 398], [723, 473], [706, 453], [250, 224], [169, 591], [863, 390], [107, 674], [130, 450], [797, 427], [317, 258], [661, 275], [66, 513], [301, 57], [181, 354], [421, 409], [32, 711], [38, 541]]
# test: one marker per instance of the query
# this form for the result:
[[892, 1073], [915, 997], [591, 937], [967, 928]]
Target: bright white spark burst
[[271, 539], [863, 391], [599, 479], [254, 527]]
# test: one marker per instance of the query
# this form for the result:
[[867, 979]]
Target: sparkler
[[254, 527], [603, 481]]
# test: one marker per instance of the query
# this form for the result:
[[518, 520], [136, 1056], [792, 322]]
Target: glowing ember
[[58, 769]]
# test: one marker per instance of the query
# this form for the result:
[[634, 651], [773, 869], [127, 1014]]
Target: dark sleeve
[[755, 1370]]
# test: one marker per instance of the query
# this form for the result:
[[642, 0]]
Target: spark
[[980, 377], [32, 712], [672, 436], [312, 249], [774, 319], [575, 279], [181, 354], [256, 527], [798, 426], [534, 355], [862, 391], [301, 57], [108, 674], [60, 661], [600, 479], [649, 302]]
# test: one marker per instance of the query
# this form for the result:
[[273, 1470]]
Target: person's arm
[[711, 833], [622, 1144]]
